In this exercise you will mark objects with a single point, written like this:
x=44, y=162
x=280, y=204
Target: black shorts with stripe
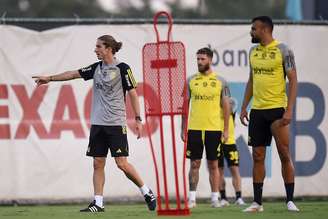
x=198, y=139
x=230, y=153
x=103, y=138
x=259, y=129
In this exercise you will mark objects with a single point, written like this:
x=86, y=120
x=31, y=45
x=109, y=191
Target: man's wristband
x=138, y=118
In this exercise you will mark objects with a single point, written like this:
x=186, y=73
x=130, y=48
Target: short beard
x=203, y=68
x=255, y=40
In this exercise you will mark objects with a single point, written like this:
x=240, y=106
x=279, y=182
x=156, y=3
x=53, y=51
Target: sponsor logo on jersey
x=98, y=86
x=204, y=97
x=263, y=71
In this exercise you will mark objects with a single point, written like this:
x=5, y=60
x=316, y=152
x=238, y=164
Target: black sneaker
x=150, y=200
x=93, y=208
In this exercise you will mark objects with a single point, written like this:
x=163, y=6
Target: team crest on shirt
x=112, y=75
x=105, y=74
x=213, y=84
x=108, y=74
x=272, y=55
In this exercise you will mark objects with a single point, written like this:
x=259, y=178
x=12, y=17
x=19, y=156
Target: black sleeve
x=88, y=72
x=128, y=80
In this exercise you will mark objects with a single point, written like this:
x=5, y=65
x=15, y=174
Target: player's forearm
x=183, y=123
x=184, y=114
x=134, y=102
x=248, y=94
x=226, y=113
x=65, y=76
x=292, y=92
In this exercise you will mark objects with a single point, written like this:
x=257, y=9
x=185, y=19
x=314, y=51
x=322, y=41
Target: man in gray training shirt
x=111, y=80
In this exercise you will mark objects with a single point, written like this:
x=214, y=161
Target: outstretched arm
x=65, y=76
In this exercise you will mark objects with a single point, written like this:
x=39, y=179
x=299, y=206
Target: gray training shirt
x=110, y=83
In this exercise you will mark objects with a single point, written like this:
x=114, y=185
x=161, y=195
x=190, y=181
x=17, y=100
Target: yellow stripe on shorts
x=203, y=136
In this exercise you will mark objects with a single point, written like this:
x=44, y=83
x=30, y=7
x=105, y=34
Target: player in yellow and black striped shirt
x=208, y=94
x=270, y=63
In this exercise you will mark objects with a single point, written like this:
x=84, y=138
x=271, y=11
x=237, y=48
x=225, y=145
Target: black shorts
x=197, y=139
x=104, y=137
x=229, y=152
x=259, y=129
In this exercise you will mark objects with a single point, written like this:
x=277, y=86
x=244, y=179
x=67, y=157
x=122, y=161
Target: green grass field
x=274, y=210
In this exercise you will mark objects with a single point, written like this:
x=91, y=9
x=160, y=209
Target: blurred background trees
x=110, y=10
x=195, y=9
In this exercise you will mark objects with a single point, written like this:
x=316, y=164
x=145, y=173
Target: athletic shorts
x=198, y=139
x=229, y=152
x=103, y=138
x=259, y=129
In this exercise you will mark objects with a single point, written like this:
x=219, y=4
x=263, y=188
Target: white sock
x=99, y=200
x=192, y=196
x=144, y=189
x=214, y=196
